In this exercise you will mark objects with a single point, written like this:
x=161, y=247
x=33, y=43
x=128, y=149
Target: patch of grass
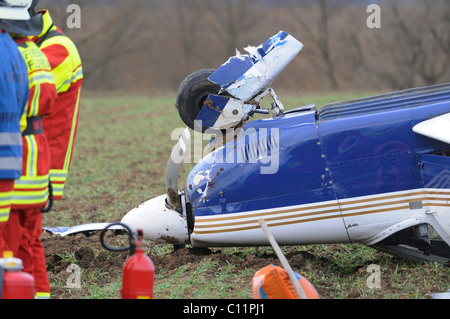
x=205, y=280
x=95, y=290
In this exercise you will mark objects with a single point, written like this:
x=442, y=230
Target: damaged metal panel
x=221, y=112
x=247, y=79
x=245, y=76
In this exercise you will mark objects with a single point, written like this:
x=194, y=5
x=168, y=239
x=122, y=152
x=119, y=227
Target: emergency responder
x=60, y=126
x=31, y=191
x=13, y=98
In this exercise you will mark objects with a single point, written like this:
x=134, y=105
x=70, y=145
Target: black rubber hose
x=50, y=199
x=131, y=239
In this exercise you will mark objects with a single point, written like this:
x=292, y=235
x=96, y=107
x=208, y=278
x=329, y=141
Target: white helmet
x=15, y=9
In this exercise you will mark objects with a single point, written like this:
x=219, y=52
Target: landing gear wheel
x=192, y=93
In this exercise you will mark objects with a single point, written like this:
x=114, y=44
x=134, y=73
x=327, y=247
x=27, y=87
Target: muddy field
x=91, y=256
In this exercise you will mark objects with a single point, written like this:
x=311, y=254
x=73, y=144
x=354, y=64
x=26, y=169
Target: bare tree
x=229, y=20
x=146, y=44
x=319, y=32
x=438, y=44
x=414, y=42
x=193, y=29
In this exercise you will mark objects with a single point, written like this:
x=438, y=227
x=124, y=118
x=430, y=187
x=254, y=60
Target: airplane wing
x=437, y=128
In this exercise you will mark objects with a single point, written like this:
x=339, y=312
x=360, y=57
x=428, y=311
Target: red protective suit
x=24, y=226
x=61, y=126
x=6, y=189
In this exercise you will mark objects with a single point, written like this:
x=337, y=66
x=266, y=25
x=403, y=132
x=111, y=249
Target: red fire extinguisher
x=138, y=274
x=138, y=271
x=14, y=284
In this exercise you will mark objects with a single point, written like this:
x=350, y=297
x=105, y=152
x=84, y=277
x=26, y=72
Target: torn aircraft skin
x=221, y=112
x=247, y=79
x=246, y=76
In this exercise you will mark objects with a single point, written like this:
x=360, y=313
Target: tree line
x=152, y=45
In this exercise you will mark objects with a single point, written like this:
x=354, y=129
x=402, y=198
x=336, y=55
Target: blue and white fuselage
x=374, y=171
x=350, y=172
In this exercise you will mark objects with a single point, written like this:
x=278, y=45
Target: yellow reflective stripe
x=42, y=295
x=58, y=175
x=38, y=78
x=23, y=121
x=5, y=195
x=31, y=160
x=29, y=190
x=58, y=178
x=34, y=107
x=31, y=182
x=77, y=75
x=5, y=202
x=4, y=216
x=29, y=197
x=43, y=76
x=58, y=192
x=72, y=134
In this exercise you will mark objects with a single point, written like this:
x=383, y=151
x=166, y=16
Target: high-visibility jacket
x=61, y=126
x=31, y=190
x=13, y=98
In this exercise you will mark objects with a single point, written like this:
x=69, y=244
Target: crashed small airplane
x=374, y=171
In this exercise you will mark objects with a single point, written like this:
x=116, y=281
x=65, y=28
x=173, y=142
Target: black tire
x=192, y=93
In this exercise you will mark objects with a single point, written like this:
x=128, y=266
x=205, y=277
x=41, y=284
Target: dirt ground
x=91, y=256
